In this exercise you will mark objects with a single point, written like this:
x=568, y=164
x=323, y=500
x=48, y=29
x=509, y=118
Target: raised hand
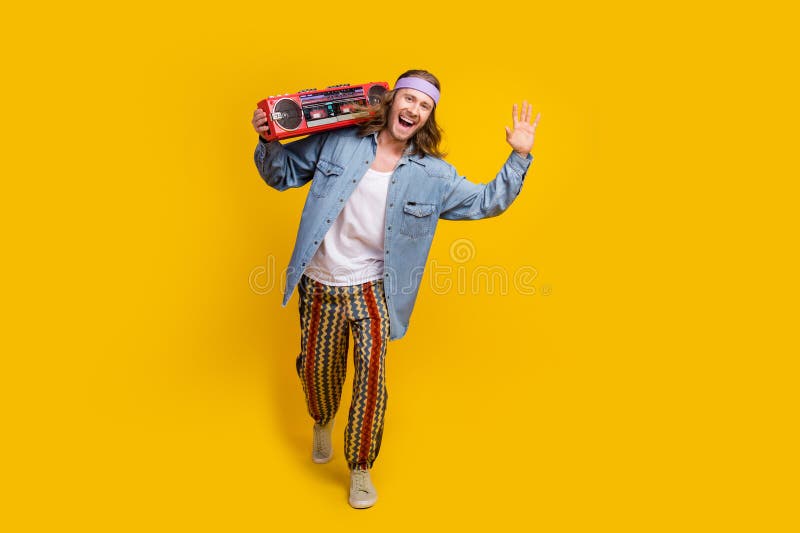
x=522, y=136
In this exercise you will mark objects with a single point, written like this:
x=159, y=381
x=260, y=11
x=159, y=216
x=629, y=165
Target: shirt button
x=354, y=181
x=391, y=205
x=393, y=181
x=328, y=221
x=316, y=242
x=341, y=199
x=389, y=228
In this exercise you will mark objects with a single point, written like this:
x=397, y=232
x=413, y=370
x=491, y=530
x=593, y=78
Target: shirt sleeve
x=283, y=166
x=466, y=200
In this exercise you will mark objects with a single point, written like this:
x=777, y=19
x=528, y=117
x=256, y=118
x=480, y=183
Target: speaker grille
x=375, y=94
x=291, y=116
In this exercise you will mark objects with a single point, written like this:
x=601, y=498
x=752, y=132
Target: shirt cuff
x=520, y=163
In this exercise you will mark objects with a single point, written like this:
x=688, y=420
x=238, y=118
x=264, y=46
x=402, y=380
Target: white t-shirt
x=352, y=251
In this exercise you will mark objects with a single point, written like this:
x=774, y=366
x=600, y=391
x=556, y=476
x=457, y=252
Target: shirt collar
x=407, y=155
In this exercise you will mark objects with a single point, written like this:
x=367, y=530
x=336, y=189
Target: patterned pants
x=326, y=315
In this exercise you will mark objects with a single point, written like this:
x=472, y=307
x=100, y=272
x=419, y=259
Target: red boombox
x=312, y=110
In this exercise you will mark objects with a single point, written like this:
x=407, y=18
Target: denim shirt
x=422, y=190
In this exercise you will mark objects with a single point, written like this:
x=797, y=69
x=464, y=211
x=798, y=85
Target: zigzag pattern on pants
x=327, y=313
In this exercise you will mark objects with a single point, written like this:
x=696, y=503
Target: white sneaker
x=362, y=491
x=322, y=447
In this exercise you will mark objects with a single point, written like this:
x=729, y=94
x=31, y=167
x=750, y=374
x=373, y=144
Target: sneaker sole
x=363, y=504
x=322, y=460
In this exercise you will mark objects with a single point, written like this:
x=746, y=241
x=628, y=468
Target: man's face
x=409, y=112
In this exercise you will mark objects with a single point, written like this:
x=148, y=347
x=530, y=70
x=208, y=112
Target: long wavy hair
x=427, y=139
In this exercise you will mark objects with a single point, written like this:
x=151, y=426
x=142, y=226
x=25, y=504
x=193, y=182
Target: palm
x=522, y=136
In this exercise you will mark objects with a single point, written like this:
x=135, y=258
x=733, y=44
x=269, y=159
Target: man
x=377, y=192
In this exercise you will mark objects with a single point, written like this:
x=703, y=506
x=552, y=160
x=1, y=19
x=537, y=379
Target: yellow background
x=649, y=383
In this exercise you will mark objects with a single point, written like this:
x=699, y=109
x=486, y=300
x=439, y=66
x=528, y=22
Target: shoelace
x=361, y=480
x=321, y=442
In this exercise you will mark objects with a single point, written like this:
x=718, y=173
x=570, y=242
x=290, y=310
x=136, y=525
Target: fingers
x=260, y=121
x=525, y=114
x=522, y=115
x=259, y=116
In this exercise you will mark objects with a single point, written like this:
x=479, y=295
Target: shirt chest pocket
x=324, y=178
x=418, y=219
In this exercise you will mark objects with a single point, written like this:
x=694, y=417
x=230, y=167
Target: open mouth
x=405, y=123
